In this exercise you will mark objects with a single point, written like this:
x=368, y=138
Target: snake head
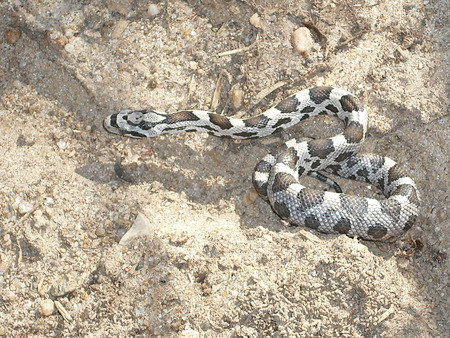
x=135, y=123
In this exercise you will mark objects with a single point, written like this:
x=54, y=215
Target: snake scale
x=276, y=176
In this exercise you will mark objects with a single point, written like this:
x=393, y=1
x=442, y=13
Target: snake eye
x=145, y=125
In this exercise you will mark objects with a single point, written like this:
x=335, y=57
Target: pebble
x=140, y=227
x=193, y=65
x=65, y=285
x=153, y=83
x=153, y=10
x=47, y=307
x=12, y=36
x=301, y=40
x=62, y=41
x=62, y=144
x=237, y=97
x=100, y=232
x=255, y=20
x=3, y=331
x=119, y=28
x=24, y=207
x=75, y=46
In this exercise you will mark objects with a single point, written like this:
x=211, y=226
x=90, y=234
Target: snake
x=277, y=176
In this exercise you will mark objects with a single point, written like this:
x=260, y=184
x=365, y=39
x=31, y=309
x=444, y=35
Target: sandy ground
x=211, y=266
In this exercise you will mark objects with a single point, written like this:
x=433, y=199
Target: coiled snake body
x=276, y=176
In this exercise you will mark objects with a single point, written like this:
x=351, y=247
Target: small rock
x=193, y=65
x=47, y=307
x=153, y=10
x=62, y=41
x=65, y=285
x=255, y=20
x=250, y=197
x=62, y=144
x=16, y=284
x=237, y=97
x=100, y=232
x=3, y=331
x=75, y=46
x=140, y=227
x=12, y=36
x=153, y=83
x=119, y=28
x=302, y=41
x=24, y=207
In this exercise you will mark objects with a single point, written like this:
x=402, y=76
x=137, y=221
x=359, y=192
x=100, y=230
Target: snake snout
x=110, y=124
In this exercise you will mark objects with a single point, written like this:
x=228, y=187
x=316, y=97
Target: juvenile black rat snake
x=276, y=176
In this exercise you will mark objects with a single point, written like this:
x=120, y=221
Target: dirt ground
x=211, y=265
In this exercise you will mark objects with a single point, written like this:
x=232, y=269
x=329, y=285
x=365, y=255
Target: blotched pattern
x=276, y=176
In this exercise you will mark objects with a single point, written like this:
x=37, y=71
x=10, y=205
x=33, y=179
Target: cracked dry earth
x=211, y=263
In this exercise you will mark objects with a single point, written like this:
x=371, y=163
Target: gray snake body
x=276, y=176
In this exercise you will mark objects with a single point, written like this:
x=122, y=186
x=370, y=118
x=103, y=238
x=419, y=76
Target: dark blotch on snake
x=263, y=167
x=315, y=164
x=281, y=210
x=394, y=174
x=247, y=134
x=354, y=132
x=377, y=231
x=282, y=181
x=332, y=108
x=320, y=94
x=259, y=122
x=306, y=110
x=181, y=116
x=343, y=226
x=288, y=105
x=320, y=148
x=392, y=208
x=281, y=122
x=352, y=161
x=334, y=169
x=220, y=121
x=350, y=103
x=288, y=157
x=342, y=157
x=304, y=117
x=310, y=198
x=312, y=222
x=363, y=173
x=411, y=220
x=261, y=190
x=136, y=134
x=300, y=170
x=277, y=130
x=381, y=183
